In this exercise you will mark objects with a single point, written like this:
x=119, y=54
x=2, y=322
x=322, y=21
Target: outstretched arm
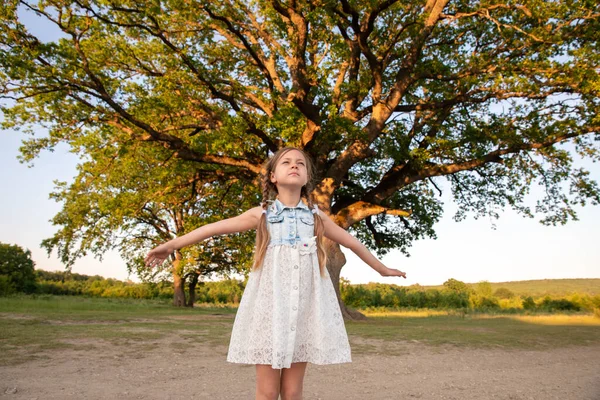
x=243, y=222
x=339, y=235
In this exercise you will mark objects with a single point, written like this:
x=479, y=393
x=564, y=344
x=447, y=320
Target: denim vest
x=288, y=225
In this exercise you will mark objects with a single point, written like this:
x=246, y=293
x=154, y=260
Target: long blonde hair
x=269, y=191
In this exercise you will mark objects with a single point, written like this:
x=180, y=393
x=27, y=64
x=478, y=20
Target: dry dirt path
x=410, y=371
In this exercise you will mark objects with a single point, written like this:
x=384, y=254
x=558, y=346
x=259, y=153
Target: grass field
x=31, y=324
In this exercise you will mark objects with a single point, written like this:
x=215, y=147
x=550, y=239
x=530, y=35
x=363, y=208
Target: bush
x=511, y=305
x=17, y=269
x=489, y=303
x=483, y=289
x=528, y=303
x=457, y=286
x=417, y=299
x=479, y=302
x=549, y=304
x=6, y=286
x=451, y=299
x=585, y=301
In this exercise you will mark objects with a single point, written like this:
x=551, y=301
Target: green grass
x=99, y=308
x=480, y=331
x=32, y=325
x=29, y=325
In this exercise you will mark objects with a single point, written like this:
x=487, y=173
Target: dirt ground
x=408, y=371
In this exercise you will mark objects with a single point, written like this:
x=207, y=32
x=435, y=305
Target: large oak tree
x=391, y=99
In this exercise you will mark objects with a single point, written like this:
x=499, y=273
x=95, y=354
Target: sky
x=470, y=250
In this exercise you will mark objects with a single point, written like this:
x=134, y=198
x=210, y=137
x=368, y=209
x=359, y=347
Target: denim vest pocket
x=275, y=218
x=306, y=225
x=307, y=220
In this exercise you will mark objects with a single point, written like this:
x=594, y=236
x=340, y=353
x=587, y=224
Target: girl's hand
x=393, y=272
x=158, y=255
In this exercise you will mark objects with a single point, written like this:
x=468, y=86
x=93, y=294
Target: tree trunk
x=335, y=261
x=192, y=289
x=178, y=283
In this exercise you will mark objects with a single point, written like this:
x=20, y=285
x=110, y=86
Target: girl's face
x=290, y=170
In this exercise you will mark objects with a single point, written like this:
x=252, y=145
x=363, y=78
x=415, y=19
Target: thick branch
x=360, y=210
x=400, y=177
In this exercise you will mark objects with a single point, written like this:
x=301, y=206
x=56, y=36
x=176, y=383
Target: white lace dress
x=288, y=313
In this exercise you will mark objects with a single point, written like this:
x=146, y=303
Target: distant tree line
x=459, y=295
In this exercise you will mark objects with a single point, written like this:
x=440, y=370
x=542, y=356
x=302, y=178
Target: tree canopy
x=17, y=270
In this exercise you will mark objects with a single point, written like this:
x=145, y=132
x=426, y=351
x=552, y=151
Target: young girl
x=289, y=314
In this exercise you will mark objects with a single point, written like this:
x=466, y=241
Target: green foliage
x=6, y=286
x=461, y=296
x=484, y=289
x=479, y=302
x=16, y=270
x=481, y=297
x=549, y=304
x=384, y=295
x=514, y=303
x=61, y=276
x=66, y=283
x=528, y=303
x=221, y=292
x=457, y=286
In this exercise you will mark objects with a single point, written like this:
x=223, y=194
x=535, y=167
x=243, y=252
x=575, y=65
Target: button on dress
x=289, y=313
